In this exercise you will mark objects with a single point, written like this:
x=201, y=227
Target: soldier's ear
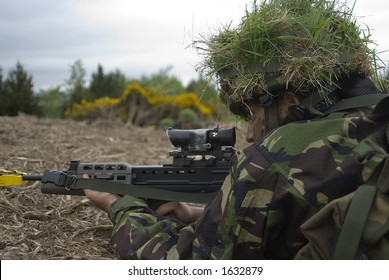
x=291, y=99
x=288, y=100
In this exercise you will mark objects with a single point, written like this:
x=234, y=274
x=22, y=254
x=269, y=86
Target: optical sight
x=201, y=140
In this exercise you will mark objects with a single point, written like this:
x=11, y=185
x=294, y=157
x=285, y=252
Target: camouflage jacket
x=274, y=186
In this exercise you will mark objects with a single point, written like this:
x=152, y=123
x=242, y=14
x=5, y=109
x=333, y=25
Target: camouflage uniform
x=275, y=185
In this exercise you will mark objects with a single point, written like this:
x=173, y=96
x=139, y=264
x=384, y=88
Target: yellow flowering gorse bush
x=92, y=109
x=147, y=106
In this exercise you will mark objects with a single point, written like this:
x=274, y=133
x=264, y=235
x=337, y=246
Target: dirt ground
x=56, y=227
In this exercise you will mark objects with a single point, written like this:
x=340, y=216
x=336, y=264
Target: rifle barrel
x=32, y=177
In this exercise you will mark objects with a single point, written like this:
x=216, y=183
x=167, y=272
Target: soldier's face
x=255, y=122
x=255, y=114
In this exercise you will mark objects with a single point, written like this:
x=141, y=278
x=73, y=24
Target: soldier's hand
x=101, y=200
x=182, y=211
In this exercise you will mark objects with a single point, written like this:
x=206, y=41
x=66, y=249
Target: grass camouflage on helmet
x=301, y=45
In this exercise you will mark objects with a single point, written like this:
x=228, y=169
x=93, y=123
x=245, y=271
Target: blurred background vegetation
x=159, y=99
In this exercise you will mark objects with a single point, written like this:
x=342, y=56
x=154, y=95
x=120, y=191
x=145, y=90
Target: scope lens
x=224, y=136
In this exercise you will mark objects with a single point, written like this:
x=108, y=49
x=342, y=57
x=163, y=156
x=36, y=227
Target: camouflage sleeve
x=274, y=187
x=139, y=233
x=231, y=227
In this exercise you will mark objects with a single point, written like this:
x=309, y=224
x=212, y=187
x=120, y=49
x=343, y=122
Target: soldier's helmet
x=304, y=46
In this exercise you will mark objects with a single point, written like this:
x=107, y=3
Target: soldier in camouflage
x=315, y=153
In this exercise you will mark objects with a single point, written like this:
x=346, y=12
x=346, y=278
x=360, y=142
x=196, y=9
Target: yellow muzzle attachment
x=11, y=178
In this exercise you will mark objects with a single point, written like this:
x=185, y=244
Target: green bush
x=188, y=118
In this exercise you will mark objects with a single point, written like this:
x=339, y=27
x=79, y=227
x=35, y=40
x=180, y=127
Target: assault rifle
x=200, y=164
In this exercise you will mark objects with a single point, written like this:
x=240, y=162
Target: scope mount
x=201, y=147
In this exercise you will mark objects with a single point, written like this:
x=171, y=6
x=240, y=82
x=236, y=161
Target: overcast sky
x=135, y=36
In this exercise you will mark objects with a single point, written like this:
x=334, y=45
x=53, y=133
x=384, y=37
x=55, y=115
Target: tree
x=107, y=85
x=75, y=85
x=18, y=92
x=1, y=79
x=163, y=82
x=97, y=85
x=116, y=82
x=204, y=89
x=3, y=98
x=208, y=94
x=52, y=102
